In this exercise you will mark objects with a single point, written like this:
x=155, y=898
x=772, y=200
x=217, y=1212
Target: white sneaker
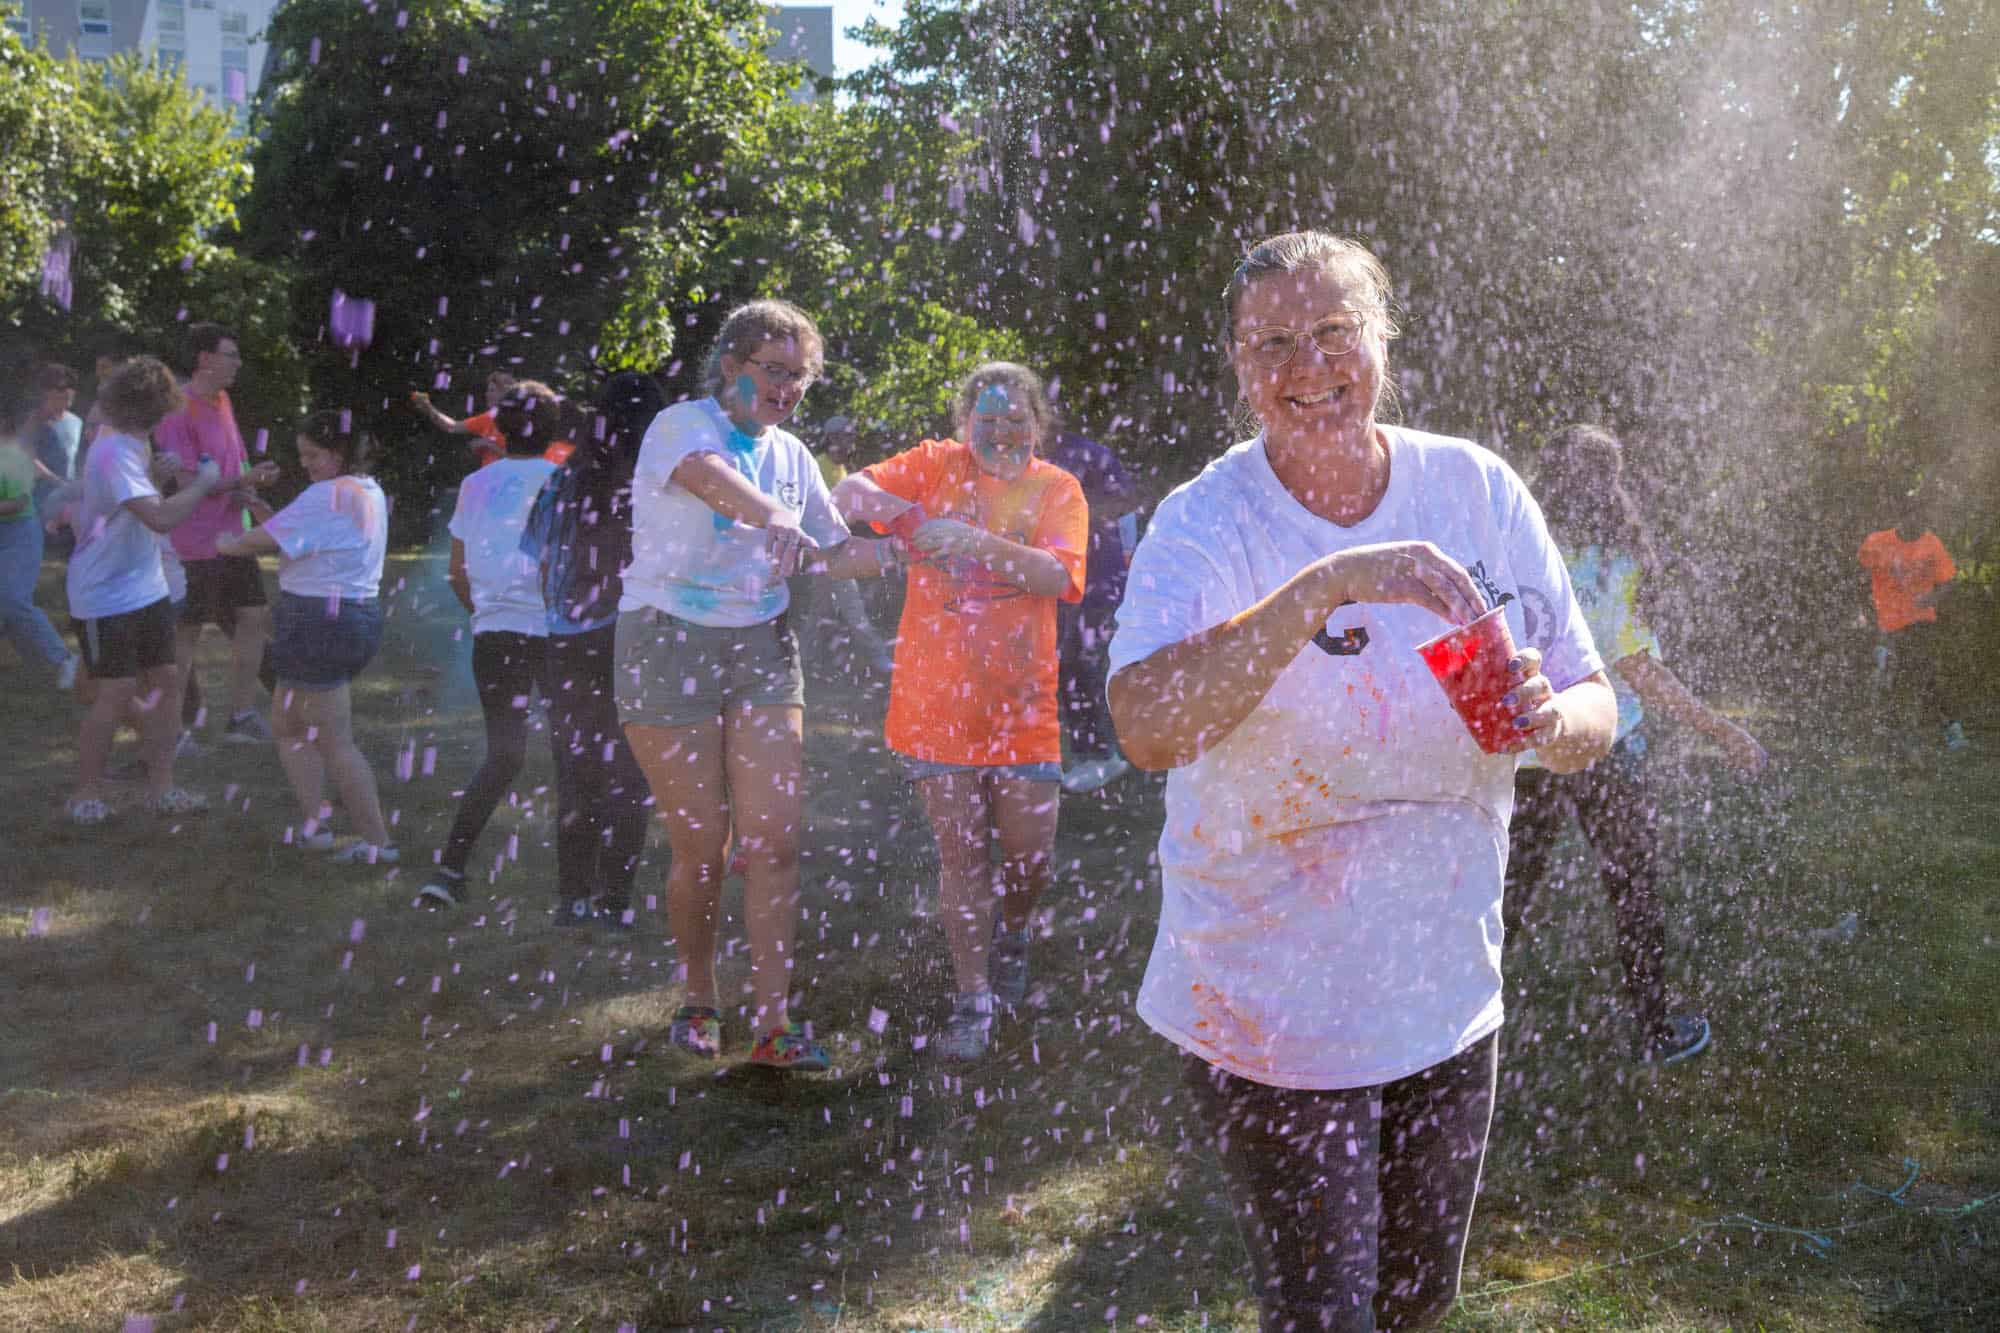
x=1093, y=774
x=366, y=853
x=66, y=673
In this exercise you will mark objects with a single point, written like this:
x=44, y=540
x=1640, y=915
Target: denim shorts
x=670, y=672
x=321, y=643
x=919, y=769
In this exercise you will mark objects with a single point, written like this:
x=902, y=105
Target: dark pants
x=601, y=794
x=1615, y=810
x=1354, y=1203
x=1085, y=663
x=507, y=668
x=1913, y=662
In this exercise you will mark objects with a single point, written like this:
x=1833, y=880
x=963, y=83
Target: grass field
x=242, y=1089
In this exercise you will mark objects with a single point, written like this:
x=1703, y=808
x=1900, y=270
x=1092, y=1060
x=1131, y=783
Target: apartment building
x=218, y=44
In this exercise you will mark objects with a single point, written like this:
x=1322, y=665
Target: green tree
x=39, y=131
x=526, y=184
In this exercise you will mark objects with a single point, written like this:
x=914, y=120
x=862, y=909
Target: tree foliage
x=525, y=185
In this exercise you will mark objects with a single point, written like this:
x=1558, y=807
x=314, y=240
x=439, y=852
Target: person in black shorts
x=118, y=590
x=224, y=591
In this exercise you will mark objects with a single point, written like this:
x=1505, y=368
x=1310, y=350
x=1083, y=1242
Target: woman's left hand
x=1532, y=698
x=948, y=537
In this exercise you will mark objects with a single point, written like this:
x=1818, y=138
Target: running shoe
x=1007, y=966
x=788, y=1047
x=697, y=1030
x=367, y=853
x=247, y=729
x=187, y=747
x=1684, y=1037
x=177, y=801
x=320, y=840
x=87, y=812
x=442, y=890
x=970, y=1027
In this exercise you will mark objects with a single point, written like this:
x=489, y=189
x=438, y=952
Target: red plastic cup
x=1470, y=663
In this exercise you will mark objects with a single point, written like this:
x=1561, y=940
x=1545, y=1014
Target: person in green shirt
x=26, y=626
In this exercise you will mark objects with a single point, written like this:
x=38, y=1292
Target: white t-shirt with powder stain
x=690, y=561
x=1331, y=869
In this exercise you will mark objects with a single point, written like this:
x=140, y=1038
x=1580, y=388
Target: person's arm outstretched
x=1034, y=571
x=165, y=513
x=1662, y=692
x=426, y=409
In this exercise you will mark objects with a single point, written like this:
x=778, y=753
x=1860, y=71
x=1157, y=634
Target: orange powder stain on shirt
x=1215, y=1004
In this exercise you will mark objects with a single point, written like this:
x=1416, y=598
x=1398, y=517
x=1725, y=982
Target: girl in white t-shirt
x=1329, y=943
x=326, y=626
x=725, y=506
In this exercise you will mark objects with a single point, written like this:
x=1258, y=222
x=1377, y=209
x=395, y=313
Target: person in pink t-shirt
x=225, y=591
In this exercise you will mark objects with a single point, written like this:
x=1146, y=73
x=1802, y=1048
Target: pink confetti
x=357, y=930
x=38, y=922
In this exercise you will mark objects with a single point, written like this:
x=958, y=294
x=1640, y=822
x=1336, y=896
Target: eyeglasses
x=784, y=374
x=1274, y=344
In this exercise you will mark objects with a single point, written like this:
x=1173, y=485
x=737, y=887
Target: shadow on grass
x=493, y=1089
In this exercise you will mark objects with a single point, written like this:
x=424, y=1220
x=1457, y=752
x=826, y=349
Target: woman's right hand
x=786, y=543
x=1413, y=573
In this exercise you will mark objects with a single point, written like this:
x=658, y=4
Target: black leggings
x=507, y=668
x=601, y=794
x=1354, y=1203
x=1085, y=662
x=1616, y=812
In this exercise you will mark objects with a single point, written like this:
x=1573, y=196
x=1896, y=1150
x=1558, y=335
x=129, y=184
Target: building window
x=93, y=22
x=172, y=42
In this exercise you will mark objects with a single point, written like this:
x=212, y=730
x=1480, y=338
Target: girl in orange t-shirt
x=999, y=538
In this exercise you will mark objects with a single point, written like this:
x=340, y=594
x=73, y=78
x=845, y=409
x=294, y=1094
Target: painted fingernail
x=1524, y=722
x=1510, y=700
x=1516, y=663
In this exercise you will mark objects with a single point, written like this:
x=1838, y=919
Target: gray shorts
x=670, y=672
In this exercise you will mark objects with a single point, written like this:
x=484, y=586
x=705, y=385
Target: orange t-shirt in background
x=488, y=445
x=1899, y=572
x=975, y=679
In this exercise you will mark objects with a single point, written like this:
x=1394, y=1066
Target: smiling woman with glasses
x=1328, y=953
x=1273, y=345
x=726, y=505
